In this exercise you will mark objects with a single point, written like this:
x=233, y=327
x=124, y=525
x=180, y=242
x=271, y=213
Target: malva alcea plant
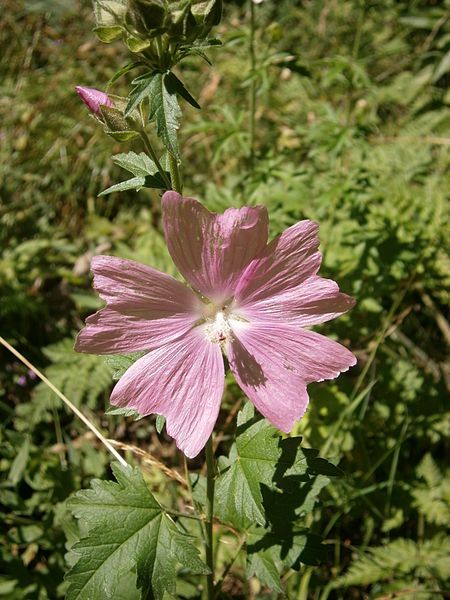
x=247, y=303
x=247, y=299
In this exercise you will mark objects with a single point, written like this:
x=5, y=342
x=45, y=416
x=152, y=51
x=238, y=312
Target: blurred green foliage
x=353, y=130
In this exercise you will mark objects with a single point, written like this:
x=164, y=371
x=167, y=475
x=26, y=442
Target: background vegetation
x=353, y=130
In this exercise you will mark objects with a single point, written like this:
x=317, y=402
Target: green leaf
x=163, y=106
x=20, y=462
x=175, y=85
x=266, y=476
x=127, y=530
x=143, y=167
x=119, y=363
x=124, y=412
x=160, y=422
x=81, y=377
x=138, y=164
x=128, y=67
x=269, y=554
x=136, y=183
x=165, y=111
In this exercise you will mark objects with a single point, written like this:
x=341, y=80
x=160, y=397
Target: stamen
x=218, y=329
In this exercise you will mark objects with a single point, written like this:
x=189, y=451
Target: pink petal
x=212, y=250
x=313, y=301
x=93, y=98
x=145, y=308
x=183, y=381
x=110, y=332
x=285, y=263
x=274, y=363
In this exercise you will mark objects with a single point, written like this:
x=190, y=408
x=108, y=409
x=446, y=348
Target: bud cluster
x=157, y=29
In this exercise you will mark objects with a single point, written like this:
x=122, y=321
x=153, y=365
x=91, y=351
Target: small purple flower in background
x=249, y=298
x=93, y=98
x=22, y=381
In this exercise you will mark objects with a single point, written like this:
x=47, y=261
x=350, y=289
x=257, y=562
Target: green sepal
x=108, y=34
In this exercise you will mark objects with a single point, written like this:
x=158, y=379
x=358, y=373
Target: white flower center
x=218, y=329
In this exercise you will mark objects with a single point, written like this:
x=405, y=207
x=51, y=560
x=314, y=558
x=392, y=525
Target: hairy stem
x=252, y=107
x=210, y=483
x=152, y=153
x=175, y=174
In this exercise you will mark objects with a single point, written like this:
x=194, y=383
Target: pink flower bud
x=93, y=98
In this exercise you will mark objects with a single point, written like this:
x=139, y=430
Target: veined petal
x=183, y=381
x=285, y=263
x=110, y=332
x=145, y=308
x=210, y=250
x=314, y=301
x=274, y=363
x=133, y=288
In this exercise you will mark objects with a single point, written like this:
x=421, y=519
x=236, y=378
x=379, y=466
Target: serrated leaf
x=163, y=106
x=138, y=164
x=136, y=183
x=127, y=530
x=165, y=112
x=143, y=167
x=264, y=472
x=176, y=86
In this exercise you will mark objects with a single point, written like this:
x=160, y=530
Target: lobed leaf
x=127, y=530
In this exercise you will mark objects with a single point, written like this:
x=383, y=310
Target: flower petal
x=211, y=250
x=285, y=263
x=274, y=363
x=145, y=308
x=110, y=332
x=314, y=301
x=183, y=381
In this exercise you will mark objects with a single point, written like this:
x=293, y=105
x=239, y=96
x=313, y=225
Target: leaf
x=160, y=422
x=269, y=555
x=143, y=167
x=265, y=472
x=119, y=363
x=138, y=164
x=127, y=530
x=20, y=462
x=81, y=377
x=175, y=85
x=163, y=106
x=164, y=110
x=136, y=183
x=443, y=68
x=128, y=67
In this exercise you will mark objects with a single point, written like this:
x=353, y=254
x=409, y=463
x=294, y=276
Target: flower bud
x=93, y=98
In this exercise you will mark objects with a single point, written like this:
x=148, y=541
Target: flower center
x=217, y=328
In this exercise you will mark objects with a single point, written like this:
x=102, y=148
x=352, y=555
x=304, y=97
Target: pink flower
x=247, y=298
x=93, y=98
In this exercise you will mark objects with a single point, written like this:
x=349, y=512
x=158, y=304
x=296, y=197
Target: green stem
x=150, y=150
x=175, y=174
x=210, y=483
x=252, y=107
